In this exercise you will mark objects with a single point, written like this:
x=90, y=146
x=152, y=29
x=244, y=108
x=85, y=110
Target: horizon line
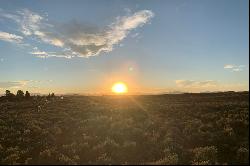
x=133, y=94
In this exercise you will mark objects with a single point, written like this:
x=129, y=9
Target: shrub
x=205, y=155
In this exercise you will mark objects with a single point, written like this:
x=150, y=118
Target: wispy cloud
x=195, y=84
x=22, y=83
x=228, y=66
x=76, y=39
x=13, y=84
x=234, y=68
x=208, y=85
x=31, y=24
x=10, y=37
x=92, y=44
x=43, y=54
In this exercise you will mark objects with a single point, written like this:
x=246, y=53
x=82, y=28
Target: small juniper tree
x=20, y=94
x=8, y=94
x=27, y=94
x=52, y=95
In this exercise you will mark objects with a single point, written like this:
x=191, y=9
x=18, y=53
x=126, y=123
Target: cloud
x=208, y=86
x=43, y=54
x=10, y=37
x=195, y=84
x=237, y=69
x=77, y=39
x=234, y=68
x=40, y=81
x=13, y=84
x=135, y=35
x=39, y=53
x=29, y=22
x=229, y=66
x=86, y=43
x=22, y=83
x=32, y=24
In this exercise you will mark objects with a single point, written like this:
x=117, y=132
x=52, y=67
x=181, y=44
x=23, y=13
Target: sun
x=119, y=88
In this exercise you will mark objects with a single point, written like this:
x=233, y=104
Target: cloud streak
x=75, y=39
x=234, y=68
x=10, y=37
x=13, y=84
x=195, y=84
x=31, y=24
x=208, y=86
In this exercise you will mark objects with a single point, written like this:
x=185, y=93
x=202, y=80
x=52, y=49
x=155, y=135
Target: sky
x=153, y=46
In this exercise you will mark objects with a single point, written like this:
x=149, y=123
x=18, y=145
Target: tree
x=48, y=97
x=8, y=94
x=19, y=94
x=52, y=95
x=27, y=94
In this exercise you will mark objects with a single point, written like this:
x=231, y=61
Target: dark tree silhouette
x=19, y=94
x=27, y=94
x=52, y=95
x=8, y=94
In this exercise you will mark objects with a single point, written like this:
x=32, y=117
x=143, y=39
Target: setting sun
x=119, y=88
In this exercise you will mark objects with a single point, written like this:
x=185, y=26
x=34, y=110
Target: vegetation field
x=210, y=128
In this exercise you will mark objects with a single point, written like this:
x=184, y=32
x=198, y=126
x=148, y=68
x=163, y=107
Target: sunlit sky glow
x=153, y=46
x=119, y=88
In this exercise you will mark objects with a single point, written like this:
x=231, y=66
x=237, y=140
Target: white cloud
x=56, y=42
x=29, y=22
x=10, y=37
x=91, y=44
x=234, y=68
x=33, y=24
x=75, y=38
x=229, y=66
x=43, y=54
x=39, y=53
x=237, y=69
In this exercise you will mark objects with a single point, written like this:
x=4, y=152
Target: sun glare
x=119, y=88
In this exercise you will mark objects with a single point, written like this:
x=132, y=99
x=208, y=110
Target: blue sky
x=151, y=45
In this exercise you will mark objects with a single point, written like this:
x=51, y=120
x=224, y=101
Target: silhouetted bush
x=52, y=95
x=204, y=155
x=27, y=95
x=19, y=94
x=8, y=94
